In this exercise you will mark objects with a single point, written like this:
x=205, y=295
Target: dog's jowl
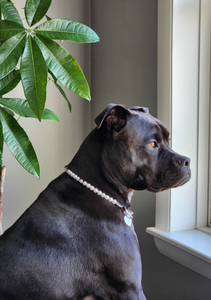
x=77, y=240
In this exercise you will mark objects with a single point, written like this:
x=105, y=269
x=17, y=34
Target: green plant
x=39, y=57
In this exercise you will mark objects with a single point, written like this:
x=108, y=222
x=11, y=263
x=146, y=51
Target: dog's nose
x=182, y=161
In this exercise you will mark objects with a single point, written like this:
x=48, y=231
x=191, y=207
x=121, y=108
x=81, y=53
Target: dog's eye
x=152, y=144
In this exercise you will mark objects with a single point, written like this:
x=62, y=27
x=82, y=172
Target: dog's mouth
x=184, y=180
x=178, y=183
x=155, y=190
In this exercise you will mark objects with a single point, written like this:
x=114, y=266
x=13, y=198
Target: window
x=182, y=229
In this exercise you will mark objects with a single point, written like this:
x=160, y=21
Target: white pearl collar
x=128, y=214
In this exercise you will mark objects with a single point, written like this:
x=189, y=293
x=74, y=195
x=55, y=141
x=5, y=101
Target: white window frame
x=181, y=231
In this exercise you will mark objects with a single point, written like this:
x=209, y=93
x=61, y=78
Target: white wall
x=54, y=143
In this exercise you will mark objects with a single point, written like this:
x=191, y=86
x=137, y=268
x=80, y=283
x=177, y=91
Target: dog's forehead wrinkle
x=157, y=132
x=139, y=123
x=148, y=122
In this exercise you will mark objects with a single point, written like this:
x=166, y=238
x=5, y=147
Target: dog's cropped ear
x=140, y=108
x=115, y=117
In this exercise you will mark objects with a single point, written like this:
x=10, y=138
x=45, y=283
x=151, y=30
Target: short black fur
x=71, y=243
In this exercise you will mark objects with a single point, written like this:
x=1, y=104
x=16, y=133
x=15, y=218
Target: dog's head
x=136, y=150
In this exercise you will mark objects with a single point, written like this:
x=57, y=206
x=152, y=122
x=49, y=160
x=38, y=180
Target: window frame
x=184, y=107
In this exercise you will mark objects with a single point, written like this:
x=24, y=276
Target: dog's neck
x=87, y=164
x=128, y=213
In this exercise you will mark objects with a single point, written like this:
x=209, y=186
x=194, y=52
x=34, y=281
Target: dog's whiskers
x=134, y=181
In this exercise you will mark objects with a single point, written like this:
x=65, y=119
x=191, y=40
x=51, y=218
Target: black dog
x=76, y=241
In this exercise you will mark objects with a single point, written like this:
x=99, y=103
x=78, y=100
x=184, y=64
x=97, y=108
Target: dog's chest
x=114, y=248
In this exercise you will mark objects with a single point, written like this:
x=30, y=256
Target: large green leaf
x=35, y=10
x=22, y=108
x=64, y=67
x=10, y=12
x=19, y=143
x=62, y=29
x=63, y=94
x=49, y=115
x=9, y=29
x=9, y=82
x=10, y=52
x=9, y=111
x=60, y=90
x=1, y=142
x=34, y=77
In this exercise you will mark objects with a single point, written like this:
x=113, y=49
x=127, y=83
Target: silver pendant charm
x=128, y=220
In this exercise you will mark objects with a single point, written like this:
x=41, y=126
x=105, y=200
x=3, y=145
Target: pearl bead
x=129, y=214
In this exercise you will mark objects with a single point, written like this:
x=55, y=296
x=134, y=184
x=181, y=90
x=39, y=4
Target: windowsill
x=191, y=248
